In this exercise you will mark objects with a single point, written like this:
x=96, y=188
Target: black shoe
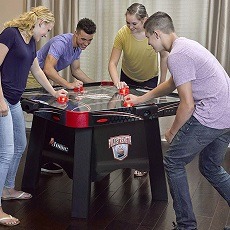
x=138, y=173
x=227, y=228
x=174, y=226
x=52, y=168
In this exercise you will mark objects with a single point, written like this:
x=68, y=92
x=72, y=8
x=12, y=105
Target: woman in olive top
x=140, y=65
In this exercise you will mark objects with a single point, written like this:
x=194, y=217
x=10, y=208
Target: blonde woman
x=17, y=58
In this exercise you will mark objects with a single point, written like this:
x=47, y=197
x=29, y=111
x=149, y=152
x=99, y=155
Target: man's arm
x=163, y=66
x=52, y=74
x=78, y=73
x=184, y=111
x=163, y=89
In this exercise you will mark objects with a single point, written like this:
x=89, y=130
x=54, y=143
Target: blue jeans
x=12, y=145
x=211, y=145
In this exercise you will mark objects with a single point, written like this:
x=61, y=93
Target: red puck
x=62, y=99
x=79, y=89
x=128, y=104
x=124, y=91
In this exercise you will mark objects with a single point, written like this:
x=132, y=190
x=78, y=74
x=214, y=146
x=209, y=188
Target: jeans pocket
x=185, y=129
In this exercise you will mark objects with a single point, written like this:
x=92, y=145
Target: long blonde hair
x=26, y=21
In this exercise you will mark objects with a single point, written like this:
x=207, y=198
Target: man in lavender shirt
x=64, y=50
x=202, y=121
x=60, y=52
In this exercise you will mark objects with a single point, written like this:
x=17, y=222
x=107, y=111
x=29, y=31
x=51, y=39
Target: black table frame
x=81, y=191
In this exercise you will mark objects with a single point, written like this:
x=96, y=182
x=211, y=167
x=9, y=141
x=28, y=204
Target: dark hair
x=159, y=21
x=86, y=25
x=137, y=9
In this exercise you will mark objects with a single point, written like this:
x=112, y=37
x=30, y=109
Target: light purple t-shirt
x=61, y=48
x=190, y=61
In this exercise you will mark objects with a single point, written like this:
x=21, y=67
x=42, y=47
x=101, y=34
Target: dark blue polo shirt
x=16, y=65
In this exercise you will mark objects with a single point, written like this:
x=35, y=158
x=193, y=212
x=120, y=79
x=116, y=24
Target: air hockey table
x=92, y=134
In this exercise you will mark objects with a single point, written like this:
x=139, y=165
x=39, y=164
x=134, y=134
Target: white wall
x=10, y=9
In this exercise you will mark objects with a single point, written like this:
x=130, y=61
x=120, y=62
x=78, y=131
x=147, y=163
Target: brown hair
x=159, y=21
x=137, y=9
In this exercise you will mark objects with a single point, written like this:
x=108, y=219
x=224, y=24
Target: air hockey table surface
x=99, y=103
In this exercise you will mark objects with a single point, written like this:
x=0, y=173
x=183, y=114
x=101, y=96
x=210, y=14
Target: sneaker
x=138, y=173
x=52, y=168
x=174, y=226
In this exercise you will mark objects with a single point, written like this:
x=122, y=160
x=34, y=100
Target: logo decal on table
x=120, y=145
x=58, y=146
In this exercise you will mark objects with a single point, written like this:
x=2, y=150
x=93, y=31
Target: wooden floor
x=118, y=202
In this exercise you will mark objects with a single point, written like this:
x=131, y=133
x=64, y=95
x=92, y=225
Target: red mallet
x=127, y=103
x=62, y=99
x=79, y=89
x=124, y=91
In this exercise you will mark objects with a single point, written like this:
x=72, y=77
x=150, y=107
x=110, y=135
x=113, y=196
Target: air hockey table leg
x=34, y=155
x=156, y=166
x=82, y=173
